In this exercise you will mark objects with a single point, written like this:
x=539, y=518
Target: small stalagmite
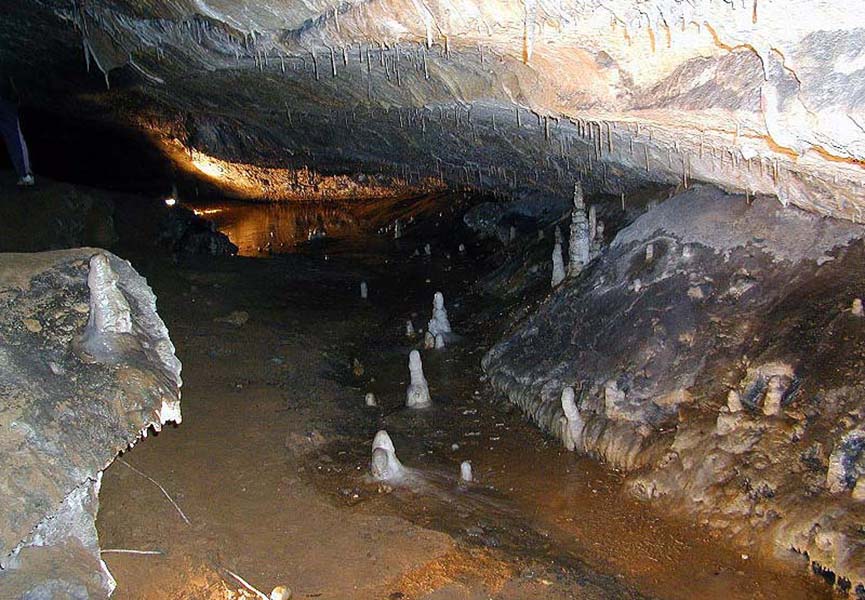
x=385, y=466
x=417, y=395
x=369, y=399
x=427, y=249
x=857, y=309
x=558, y=265
x=572, y=426
x=364, y=291
x=466, y=471
x=439, y=342
x=439, y=323
x=409, y=328
x=579, y=245
x=429, y=341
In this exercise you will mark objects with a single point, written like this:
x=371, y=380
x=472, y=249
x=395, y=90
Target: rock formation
x=766, y=445
x=439, y=323
x=580, y=242
x=124, y=371
x=385, y=466
x=417, y=394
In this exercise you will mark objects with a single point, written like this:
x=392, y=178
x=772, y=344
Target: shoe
x=27, y=181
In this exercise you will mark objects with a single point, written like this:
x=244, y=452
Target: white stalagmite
x=439, y=323
x=109, y=310
x=856, y=309
x=363, y=290
x=409, y=329
x=466, y=471
x=439, y=342
x=369, y=399
x=572, y=425
x=462, y=249
x=579, y=244
x=417, y=395
x=385, y=465
x=558, y=264
x=429, y=341
x=650, y=252
x=427, y=249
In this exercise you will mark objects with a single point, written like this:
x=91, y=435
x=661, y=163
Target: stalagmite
x=558, y=262
x=734, y=401
x=650, y=252
x=462, y=249
x=439, y=323
x=439, y=342
x=774, y=395
x=417, y=395
x=579, y=243
x=110, y=320
x=856, y=309
x=385, y=465
x=109, y=310
x=466, y=471
x=429, y=341
x=363, y=290
x=369, y=399
x=427, y=250
x=572, y=426
x=409, y=329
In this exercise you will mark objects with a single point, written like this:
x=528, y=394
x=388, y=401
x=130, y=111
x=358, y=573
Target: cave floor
x=269, y=463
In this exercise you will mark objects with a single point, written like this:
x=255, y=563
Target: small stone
x=369, y=399
x=650, y=252
x=236, y=318
x=32, y=325
x=281, y=592
x=856, y=309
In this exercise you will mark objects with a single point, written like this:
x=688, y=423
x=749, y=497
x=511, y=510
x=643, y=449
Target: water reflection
x=259, y=229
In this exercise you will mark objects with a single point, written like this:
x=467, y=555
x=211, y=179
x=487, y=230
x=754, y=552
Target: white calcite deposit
x=439, y=323
x=417, y=394
x=385, y=466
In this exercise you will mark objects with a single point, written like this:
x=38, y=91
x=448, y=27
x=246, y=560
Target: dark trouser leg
x=10, y=130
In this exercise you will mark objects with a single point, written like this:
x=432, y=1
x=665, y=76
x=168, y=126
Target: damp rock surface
x=726, y=382
x=84, y=385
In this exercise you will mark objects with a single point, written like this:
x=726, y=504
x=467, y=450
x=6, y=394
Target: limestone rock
x=53, y=454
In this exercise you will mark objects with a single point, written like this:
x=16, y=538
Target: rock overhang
x=759, y=97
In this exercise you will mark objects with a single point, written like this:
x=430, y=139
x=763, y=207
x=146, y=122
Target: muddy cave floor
x=269, y=463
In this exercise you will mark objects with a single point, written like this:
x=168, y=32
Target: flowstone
x=100, y=344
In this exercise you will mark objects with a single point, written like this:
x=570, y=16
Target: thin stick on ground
x=246, y=584
x=156, y=483
x=127, y=551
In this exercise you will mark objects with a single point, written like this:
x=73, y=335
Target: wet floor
x=279, y=403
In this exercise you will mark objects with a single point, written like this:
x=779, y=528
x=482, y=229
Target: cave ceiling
x=760, y=96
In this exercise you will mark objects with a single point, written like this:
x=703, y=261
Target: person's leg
x=10, y=131
x=25, y=153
